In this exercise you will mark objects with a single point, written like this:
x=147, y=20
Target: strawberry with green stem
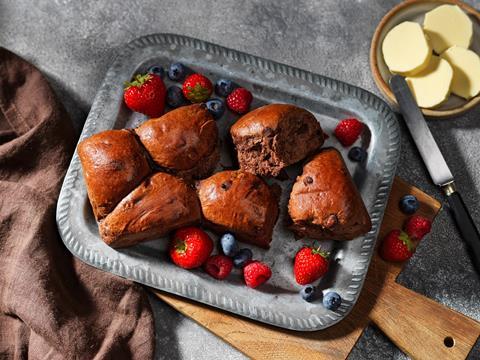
x=145, y=94
x=190, y=247
x=397, y=246
x=310, y=264
x=197, y=88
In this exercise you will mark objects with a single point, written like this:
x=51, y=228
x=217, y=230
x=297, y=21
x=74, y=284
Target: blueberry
x=229, y=244
x=176, y=72
x=216, y=107
x=223, y=87
x=308, y=293
x=332, y=300
x=157, y=70
x=357, y=154
x=242, y=257
x=409, y=204
x=175, y=97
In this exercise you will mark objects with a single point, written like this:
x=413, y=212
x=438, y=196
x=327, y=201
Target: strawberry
x=218, y=266
x=146, y=95
x=417, y=227
x=190, y=247
x=239, y=100
x=197, y=88
x=348, y=131
x=256, y=273
x=396, y=246
x=310, y=264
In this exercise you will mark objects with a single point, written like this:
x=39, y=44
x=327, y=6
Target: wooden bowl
x=414, y=10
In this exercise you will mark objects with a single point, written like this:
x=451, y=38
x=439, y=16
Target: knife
x=436, y=166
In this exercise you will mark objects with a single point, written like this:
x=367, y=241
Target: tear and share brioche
x=274, y=136
x=113, y=163
x=239, y=202
x=160, y=204
x=184, y=141
x=325, y=203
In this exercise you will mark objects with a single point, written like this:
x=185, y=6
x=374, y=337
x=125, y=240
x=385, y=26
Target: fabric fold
x=52, y=305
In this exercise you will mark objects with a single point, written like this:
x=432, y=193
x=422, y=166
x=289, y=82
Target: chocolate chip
x=116, y=165
x=226, y=185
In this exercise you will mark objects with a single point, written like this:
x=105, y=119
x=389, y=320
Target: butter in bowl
x=435, y=46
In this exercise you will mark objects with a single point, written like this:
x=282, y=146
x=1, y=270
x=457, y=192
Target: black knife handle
x=466, y=226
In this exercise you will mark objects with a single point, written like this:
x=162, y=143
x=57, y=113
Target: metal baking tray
x=276, y=302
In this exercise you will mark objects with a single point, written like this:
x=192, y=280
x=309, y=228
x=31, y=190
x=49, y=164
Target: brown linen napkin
x=52, y=306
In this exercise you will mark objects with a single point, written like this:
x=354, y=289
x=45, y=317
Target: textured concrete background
x=74, y=42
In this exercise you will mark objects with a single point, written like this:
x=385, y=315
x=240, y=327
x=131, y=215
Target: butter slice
x=405, y=49
x=431, y=87
x=447, y=26
x=466, y=71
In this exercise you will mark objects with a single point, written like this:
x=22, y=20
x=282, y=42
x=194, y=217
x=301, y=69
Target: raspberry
x=218, y=266
x=239, y=100
x=256, y=273
x=417, y=227
x=348, y=131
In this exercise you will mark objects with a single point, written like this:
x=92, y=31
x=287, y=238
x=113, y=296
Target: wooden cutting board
x=419, y=326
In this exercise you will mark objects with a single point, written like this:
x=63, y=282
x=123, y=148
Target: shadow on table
x=75, y=107
x=166, y=323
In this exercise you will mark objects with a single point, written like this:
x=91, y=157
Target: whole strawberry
x=310, y=264
x=239, y=100
x=197, y=88
x=146, y=95
x=190, y=247
x=348, y=131
x=218, y=266
x=256, y=273
x=396, y=246
x=417, y=227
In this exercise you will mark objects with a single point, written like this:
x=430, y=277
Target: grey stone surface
x=74, y=42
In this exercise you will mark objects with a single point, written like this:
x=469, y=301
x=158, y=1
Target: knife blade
x=426, y=144
x=436, y=165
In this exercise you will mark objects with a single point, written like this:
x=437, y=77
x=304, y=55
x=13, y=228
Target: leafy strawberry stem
x=180, y=246
x=319, y=251
x=406, y=240
x=137, y=81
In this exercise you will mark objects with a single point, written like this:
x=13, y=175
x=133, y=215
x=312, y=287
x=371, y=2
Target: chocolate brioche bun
x=183, y=142
x=113, y=163
x=274, y=136
x=239, y=202
x=325, y=203
x=160, y=204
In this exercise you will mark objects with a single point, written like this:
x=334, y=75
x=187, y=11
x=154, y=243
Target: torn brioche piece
x=274, y=136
